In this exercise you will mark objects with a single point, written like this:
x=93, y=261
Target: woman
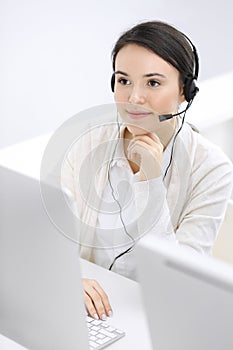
x=180, y=182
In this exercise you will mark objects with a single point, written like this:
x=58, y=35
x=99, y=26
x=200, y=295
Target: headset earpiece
x=190, y=89
x=190, y=84
x=113, y=82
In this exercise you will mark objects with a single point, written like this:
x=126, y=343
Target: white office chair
x=223, y=248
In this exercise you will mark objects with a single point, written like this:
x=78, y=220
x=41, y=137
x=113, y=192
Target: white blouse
x=112, y=235
x=187, y=207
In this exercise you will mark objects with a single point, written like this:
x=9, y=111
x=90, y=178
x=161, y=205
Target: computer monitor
x=41, y=300
x=188, y=297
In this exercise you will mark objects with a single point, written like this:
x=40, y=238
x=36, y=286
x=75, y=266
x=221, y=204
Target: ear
x=182, y=96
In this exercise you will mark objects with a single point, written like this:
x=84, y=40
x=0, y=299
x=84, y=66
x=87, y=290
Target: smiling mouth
x=137, y=114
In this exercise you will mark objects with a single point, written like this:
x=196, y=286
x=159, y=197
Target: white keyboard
x=101, y=334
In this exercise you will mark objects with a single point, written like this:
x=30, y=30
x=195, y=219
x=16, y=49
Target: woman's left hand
x=147, y=152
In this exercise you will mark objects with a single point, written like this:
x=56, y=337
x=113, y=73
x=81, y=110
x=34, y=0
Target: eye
x=123, y=81
x=153, y=83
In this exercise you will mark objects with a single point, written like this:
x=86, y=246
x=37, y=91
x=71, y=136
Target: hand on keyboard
x=96, y=300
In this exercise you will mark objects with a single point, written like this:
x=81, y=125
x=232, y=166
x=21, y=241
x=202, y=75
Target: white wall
x=212, y=111
x=55, y=54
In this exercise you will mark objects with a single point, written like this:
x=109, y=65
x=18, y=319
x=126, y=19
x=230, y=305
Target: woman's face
x=146, y=86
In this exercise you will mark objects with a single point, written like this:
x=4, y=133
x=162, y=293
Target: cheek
x=165, y=102
x=120, y=96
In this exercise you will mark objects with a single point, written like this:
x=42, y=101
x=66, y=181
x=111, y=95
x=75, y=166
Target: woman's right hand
x=96, y=300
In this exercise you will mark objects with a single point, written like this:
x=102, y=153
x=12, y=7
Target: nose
x=137, y=96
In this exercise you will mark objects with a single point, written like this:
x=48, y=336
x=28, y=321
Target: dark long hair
x=165, y=41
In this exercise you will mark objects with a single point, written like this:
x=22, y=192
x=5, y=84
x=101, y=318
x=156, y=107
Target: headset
x=190, y=85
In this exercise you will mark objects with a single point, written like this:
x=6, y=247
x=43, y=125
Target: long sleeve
x=197, y=201
x=205, y=208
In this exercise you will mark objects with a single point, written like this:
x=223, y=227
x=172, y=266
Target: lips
x=137, y=114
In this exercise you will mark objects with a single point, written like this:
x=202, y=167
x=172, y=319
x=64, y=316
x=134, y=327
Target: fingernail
x=104, y=317
x=110, y=313
x=96, y=316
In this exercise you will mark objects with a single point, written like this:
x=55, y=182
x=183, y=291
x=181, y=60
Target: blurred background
x=55, y=60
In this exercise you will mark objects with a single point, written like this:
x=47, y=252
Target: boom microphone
x=164, y=117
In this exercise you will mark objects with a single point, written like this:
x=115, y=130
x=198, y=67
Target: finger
x=90, y=306
x=144, y=151
x=141, y=142
x=151, y=146
x=133, y=143
x=134, y=152
x=138, y=146
x=148, y=138
x=104, y=298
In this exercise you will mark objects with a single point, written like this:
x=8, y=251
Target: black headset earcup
x=190, y=89
x=113, y=82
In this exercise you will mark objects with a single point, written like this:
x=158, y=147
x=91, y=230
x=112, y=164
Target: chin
x=136, y=131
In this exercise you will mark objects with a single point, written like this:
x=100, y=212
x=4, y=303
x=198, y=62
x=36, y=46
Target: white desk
x=126, y=301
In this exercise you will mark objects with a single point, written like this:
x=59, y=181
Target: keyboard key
x=108, y=334
x=105, y=325
x=93, y=337
x=101, y=334
x=103, y=341
x=96, y=322
x=93, y=345
x=93, y=332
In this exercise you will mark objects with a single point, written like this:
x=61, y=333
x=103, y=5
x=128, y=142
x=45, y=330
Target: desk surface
x=126, y=301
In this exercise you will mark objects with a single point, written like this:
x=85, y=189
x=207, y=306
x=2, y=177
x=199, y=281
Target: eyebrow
x=145, y=75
